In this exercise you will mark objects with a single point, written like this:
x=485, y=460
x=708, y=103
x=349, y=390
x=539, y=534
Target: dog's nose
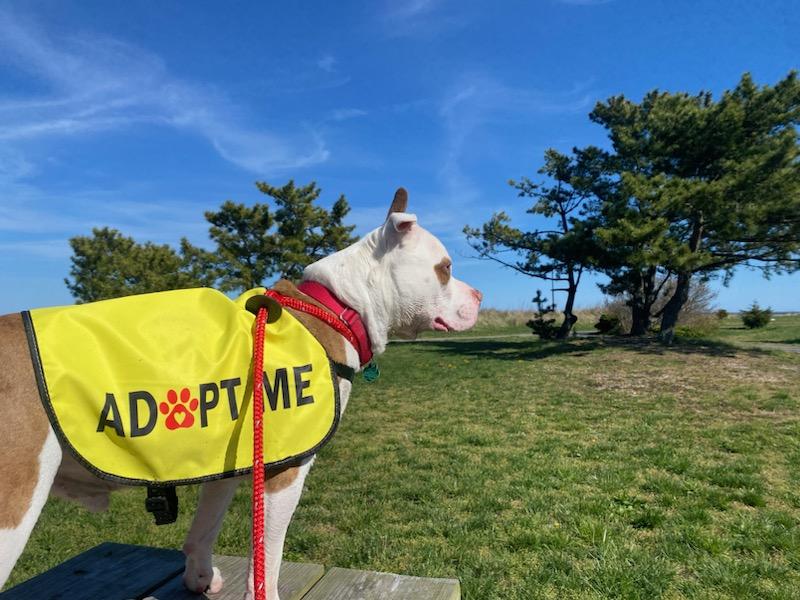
x=477, y=295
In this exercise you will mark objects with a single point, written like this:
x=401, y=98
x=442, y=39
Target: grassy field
x=586, y=469
x=784, y=329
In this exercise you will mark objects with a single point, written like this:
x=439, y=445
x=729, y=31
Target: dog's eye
x=443, y=270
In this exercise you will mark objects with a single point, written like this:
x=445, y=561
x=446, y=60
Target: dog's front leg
x=280, y=499
x=215, y=496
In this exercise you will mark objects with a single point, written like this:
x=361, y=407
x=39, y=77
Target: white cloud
x=37, y=223
x=345, y=114
x=48, y=248
x=96, y=84
x=478, y=99
x=327, y=63
x=420, y=18
x=409, y=9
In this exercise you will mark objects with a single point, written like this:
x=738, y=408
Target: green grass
x=784, y=329
x=588, y=469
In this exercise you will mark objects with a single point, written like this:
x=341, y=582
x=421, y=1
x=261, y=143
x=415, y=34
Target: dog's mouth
x=439, y=324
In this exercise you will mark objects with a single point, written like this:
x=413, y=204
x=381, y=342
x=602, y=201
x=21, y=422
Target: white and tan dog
x=398, y=278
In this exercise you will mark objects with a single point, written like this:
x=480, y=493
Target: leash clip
x=162, y=501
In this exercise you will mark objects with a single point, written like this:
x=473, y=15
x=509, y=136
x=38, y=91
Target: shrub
x=546, y=329
x=608, y=324
x=722, y=314
x=756, y=317
x=699, y=304
x=618, y=309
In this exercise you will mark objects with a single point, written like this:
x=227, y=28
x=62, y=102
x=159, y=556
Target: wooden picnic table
x=113, y=571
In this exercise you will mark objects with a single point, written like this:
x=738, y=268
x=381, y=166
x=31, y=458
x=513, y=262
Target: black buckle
x=258, y=301
x=163, y=503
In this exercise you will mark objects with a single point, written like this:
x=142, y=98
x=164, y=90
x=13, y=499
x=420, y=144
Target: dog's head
x=420, y=271
x=399, y=278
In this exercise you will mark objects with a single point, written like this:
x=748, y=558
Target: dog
x=397, y=279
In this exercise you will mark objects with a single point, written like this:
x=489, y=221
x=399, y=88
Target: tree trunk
x=669, y=318
x=642, y=303
x=640, y=318
x=569, y=318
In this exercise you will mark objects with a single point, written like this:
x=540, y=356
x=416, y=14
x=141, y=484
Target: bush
x=756, y=317
x=722, y=314
x=698, y=306
x=546, y=329
x=616, y=308
x=608, y=324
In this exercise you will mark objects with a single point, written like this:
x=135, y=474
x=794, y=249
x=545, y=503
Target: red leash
x=258, y=457
x=344, y=322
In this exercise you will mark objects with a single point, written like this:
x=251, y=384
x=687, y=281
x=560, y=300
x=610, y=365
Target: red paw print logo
x=179, y=415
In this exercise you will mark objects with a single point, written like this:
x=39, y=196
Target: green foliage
x=246, y=251
x=756, y=317
x=718, y=180
x=691, y=188
x=608, y=324
x=252, y=244
x=561, y=254
x=541, y=326
x=722, y=314
x=305, y=232
x=696, y=186
x=108, y=264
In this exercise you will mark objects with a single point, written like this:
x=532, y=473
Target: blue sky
x=143, y=117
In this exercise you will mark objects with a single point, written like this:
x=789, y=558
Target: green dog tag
x=371, y=372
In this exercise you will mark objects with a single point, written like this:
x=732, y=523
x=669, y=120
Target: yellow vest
x=157, y=388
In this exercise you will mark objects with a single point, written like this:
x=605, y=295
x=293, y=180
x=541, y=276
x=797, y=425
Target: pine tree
x=701, y=186
x=305, y=232
x=108, y=264
x=561, y=254
x=251, y=245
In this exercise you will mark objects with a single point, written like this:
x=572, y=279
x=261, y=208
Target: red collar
x=347, y=321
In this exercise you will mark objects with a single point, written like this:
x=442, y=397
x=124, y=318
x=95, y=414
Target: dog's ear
x=400, y=202
x=402, y=222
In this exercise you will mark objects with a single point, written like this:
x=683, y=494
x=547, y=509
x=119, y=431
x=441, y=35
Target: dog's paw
x=217, y=581
x=200, y=581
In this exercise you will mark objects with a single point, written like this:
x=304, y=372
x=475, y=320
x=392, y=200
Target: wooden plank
x=294, y=580
x=109, y=571
x=350, y=584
